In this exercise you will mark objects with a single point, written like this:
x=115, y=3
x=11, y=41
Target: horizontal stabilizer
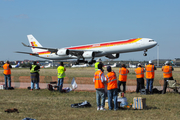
x=26, y=53
x=49, y=49
x=25, y=45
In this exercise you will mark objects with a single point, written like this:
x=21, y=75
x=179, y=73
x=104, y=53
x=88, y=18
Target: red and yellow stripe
x=106, y=44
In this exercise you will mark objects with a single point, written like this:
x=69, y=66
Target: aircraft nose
x=155, y=43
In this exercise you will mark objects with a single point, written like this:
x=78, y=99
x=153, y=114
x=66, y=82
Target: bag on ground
x=81, y=105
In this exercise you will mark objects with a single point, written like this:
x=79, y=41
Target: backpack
x=49, y=87
x=81, y=105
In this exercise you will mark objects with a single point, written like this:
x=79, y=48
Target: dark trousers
x=165, y=84
x=112, y=94
x=7, y=77
x=149, y=85
x=60, y=84
x=140, y=84
x=119, y=86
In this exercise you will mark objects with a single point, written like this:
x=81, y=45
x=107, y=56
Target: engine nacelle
x=88, y=54
x=63, y=52
x=113, y=56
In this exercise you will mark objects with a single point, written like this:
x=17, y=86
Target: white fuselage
x=141, y=45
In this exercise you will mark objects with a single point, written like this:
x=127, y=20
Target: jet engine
x=88, y=54
x=62, y=52
x=113, y=56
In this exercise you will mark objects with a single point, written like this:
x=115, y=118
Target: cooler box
x=122, y=102
x=139, y=103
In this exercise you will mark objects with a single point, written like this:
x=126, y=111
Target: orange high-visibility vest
x=111, y=80
x=123, y=74
x=7, y=70
x=97, y=80
x=139, y=72
x=149, y=71
x=167, y=71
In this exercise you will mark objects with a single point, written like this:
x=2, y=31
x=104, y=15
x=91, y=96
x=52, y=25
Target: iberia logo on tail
x=34, y=44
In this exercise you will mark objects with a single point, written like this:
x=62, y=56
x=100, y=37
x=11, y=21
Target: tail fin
x=34, y=42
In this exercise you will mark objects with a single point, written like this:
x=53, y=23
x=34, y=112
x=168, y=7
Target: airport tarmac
x=81, y=87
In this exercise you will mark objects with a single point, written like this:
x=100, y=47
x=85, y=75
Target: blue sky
x=64, y=23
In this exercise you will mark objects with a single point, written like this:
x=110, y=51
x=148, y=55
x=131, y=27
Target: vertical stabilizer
x=34, y=42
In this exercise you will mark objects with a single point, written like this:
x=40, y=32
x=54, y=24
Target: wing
x=79, y=53
x=73, y=52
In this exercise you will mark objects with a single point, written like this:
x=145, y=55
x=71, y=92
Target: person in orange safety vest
x=123, y=71
x=99, y=82
x=140, y=77
x=7, y=74
x=167, y=75
x=150, y=68
x=111, y=88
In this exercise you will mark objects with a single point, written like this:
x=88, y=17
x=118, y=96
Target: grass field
x=47, y=105
x=87, y=72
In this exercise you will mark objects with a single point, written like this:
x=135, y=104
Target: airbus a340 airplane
x=110, y=50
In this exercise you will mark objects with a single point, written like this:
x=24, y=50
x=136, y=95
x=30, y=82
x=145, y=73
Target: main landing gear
x=92, y=61
x=80, y=61
x=145, y=54
x=84, y=61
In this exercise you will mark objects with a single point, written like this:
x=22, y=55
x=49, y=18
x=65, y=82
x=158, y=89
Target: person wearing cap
x=34, y=70
x=167, y=75
x=111, y=88
x=61, y=74
x=7, y=74
x=99, y=82
x=140, y=77
x=123, y=71
x=150, y=68
x=98, y=61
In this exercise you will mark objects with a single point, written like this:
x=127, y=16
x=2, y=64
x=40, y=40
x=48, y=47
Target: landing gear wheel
x=77, y=63
x=145, y=54
x=92, y=61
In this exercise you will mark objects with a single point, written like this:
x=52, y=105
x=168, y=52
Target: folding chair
x=172, y=84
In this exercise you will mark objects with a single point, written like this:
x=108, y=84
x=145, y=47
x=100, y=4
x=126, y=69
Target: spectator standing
x=167, y=74
x=150, y=68
x=99, y=81
x=7, y=74
x=61, y=74
x=111, y=88
x=98, y=61
x=34, y=70
x=123, y=71
x=140, y=77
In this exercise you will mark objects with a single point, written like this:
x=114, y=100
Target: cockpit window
x=151, y=40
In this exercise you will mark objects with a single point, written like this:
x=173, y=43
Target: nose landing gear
x=145, y=54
